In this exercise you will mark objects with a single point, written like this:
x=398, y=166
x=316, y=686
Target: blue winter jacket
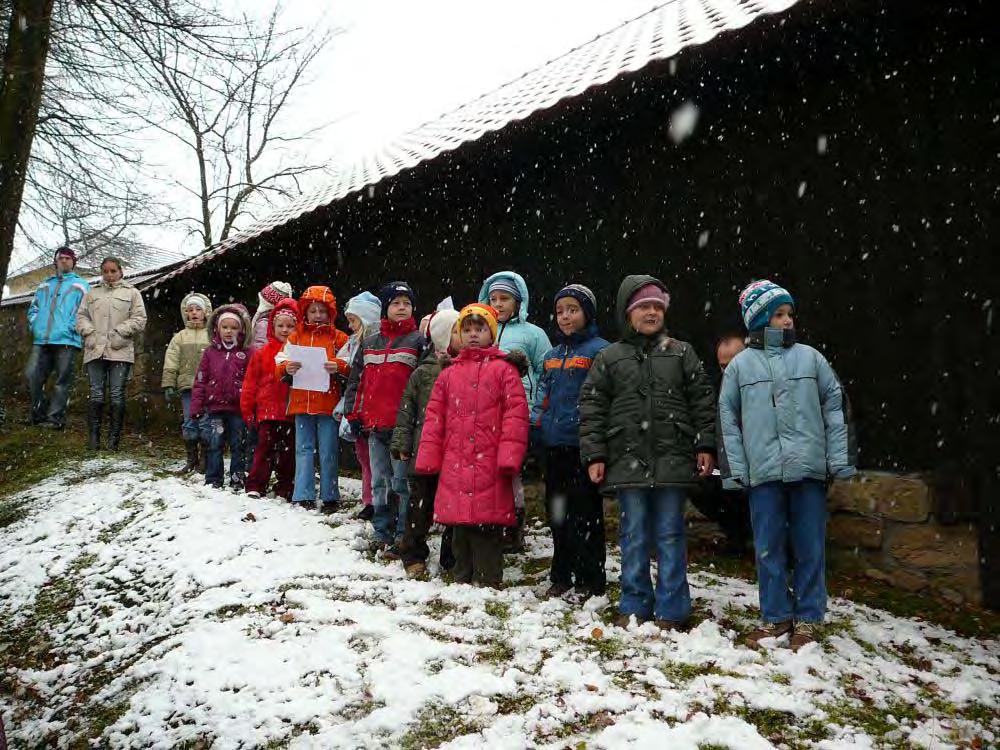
x=566, y=366
x=783, y=415
x=52, y=314
x=518, y=333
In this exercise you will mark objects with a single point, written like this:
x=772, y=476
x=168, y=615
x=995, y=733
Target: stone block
x=935, y=547
x=848, y=530
x=908, y=580
x=893, y=496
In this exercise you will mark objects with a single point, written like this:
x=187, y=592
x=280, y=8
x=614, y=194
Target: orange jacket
x=313, y=334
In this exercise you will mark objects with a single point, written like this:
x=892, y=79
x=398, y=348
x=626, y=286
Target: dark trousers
x=419, y=519
x=275, y=453
x=44, y=359
x=478, y=555
x=110, y=377
x=575, y=512
x=218, y=431
x=730, y=509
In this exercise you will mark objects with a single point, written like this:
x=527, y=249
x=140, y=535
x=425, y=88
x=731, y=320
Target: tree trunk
x=20, y=96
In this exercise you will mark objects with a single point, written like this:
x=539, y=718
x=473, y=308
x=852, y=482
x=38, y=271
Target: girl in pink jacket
x=475, y=435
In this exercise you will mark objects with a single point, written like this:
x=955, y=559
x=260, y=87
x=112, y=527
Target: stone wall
x=889, y=522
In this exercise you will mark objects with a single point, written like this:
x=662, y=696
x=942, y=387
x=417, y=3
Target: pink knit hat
x=648, y=293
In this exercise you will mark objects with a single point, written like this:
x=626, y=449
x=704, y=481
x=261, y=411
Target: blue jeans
x=190, y=428
x=793, y=515
x=217, y=431
x=109, y=376
x=387, y=472
x=44, y=359
x=653, y=520
x=314, y=431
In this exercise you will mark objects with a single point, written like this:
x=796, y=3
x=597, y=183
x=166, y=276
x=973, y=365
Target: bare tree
x=227, y=111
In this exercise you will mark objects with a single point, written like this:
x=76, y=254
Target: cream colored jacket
x=109, y=319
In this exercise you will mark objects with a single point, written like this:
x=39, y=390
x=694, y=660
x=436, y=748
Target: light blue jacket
x=783, y=415
x=518, y=333
x=52, y=314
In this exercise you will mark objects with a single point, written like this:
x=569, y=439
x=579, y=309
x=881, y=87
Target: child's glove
x=169, y=394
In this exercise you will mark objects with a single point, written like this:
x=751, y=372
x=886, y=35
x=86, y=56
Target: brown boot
x=191, y=446
x=416, y=569
x=767, y=630
x=671, y=626
x=556, y=590
x=803, y=634
x=622, y=621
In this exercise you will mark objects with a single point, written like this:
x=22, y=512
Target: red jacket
x=264, y=397
x=475, y=436
x=315, y=334
x=379, y=373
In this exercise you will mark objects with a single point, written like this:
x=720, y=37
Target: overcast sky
x=399, y=63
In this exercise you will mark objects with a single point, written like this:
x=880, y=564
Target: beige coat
x=180, y=363
x=109, y=319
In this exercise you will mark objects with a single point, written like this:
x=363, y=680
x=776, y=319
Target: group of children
x=441, y=415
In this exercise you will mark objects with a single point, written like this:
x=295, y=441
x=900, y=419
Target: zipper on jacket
x=52, y=309
x=649, y=427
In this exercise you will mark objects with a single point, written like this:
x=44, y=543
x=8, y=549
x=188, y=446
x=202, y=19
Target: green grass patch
x=434, y=725
x=533, y=566
x=495, y=651
x=498, y=609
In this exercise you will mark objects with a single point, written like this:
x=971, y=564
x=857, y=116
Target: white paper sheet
x=312, y=376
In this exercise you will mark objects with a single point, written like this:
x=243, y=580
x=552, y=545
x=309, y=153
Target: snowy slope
x=141, y=610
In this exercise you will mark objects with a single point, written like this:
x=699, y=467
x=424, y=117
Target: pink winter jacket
x=475, y=436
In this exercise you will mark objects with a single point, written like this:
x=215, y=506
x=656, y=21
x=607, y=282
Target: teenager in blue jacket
x=573, y=503
x=52, y=321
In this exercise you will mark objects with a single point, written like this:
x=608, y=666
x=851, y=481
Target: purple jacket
x=220, y=374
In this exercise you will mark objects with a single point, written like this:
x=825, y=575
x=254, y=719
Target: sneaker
x=304, y=504
x=671, y=626
x=329, y=508
x=416, y=569
x=623, y=620
x=367, y=513
x=768, y=630
x=803, y=634
x=254, y=494
x=392, y=553
x=556, y=590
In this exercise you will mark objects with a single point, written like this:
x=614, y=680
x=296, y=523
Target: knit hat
x=441, y=325
x=505, y=284
x=424, y=326
x=392, y=290
x=648, y=293
x=479, y=310
x=760, y=300
x=584, y=296
x=288, y=308
x=272, y=294
x=68, y=252
x=198, y=300
x=367, y=307
x=230, y=316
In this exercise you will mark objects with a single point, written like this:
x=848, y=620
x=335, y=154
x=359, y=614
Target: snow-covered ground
x=142, y=610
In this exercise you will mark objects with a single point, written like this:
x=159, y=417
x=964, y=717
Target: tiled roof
x=141, y=280
x=658, y=34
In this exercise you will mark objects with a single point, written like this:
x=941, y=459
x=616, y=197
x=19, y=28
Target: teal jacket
x=518, y=333
x=783, y=415
x=52, y=314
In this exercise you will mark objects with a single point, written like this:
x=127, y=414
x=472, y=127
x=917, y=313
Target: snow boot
x=192, y=456
x=203, y=457
x=767, y=630
x=513, y=536
x=115, y=429
x=94, y=417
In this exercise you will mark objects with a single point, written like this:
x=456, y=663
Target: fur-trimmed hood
x=244, y=338
x=517, y=358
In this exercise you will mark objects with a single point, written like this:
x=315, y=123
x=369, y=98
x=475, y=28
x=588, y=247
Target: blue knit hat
x=392, y=290
x=760, y=300
x=584, y=296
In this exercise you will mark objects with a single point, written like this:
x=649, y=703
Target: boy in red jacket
x=475, y=436
x=264, y=403
x=379, y=373
x=216, y=394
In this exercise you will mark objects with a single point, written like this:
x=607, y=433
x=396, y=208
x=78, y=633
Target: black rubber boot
x=192, y=456
x=115, y=429
x=94, y=418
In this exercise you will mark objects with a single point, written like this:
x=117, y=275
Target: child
x=778, y=383
x=267, y=298
x=379, y=373
x=216, y=394
x=264, y=403
x=474, y=437
x=647, y=430
x=446, y=342
x=507, y=293
x=362, y=316
x=180, y=365
x=315, y=426
x=573, y=504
